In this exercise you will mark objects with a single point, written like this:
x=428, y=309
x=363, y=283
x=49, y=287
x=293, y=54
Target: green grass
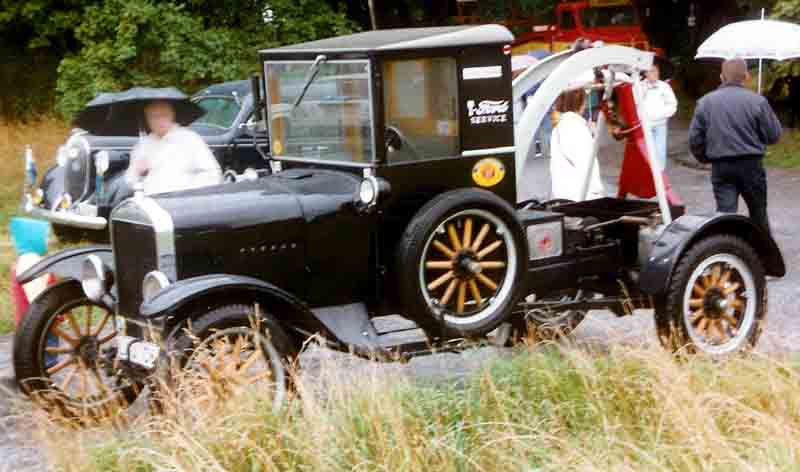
x=785, y=154
x=544, y=409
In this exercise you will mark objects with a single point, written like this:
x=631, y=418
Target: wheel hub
x=89, y=349
x=714, y=304
x=466, y=265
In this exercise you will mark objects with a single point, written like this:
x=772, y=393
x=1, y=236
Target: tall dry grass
x=544, y=409
x=44, y=135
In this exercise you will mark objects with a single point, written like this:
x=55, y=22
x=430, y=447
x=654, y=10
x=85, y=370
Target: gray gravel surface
x=781, y=336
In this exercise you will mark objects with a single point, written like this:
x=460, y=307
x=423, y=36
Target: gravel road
x=781, y=336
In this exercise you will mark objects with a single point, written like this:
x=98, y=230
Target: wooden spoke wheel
x=468, y=265
x=230, y=362
x=63, y=353
x=719, y=303
x=716, y=300
x=226, y=352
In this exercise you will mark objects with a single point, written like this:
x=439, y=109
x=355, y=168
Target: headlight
x=101, y=162
x=61, y=156
x=153, y=283
x=95, y=278
x=76, y=146
x=368, y=191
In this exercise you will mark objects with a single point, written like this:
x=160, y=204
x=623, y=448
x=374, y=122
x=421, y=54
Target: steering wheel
x=396, y=140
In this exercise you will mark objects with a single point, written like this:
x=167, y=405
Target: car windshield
x=220, y=112
x=608, y=16
x=332, y=122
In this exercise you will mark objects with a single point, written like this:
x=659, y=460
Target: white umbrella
x=754, y=39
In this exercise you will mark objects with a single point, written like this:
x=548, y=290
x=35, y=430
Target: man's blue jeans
x=659, y=134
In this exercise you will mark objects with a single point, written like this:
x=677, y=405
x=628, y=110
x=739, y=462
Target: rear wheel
x=462, y=260
x=63, y=354
x=232, y=349
x=717, y=299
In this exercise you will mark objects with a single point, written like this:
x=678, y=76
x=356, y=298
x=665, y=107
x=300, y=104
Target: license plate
x=136, y=351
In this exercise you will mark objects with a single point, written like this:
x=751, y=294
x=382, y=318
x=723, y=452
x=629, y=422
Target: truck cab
x=609, y=21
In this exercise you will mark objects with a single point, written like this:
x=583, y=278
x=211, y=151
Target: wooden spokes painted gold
x=72, y=353
x=467, y=264
x=717, y=303
x=226, y=366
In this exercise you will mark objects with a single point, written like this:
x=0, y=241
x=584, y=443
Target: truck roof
x=405, y=39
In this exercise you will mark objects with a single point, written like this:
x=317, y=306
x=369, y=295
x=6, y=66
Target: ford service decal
x=487, y=111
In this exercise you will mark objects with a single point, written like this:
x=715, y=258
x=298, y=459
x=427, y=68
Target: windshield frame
x=236, y=119
x=370, y=159
x=634, y=17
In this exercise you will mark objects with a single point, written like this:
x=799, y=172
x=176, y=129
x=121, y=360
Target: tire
x=433, y=264
x=195, y=342
x=59, y=346
x=548, y=324
x=716, y=302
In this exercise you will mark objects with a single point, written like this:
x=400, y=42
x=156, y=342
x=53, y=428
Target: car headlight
x=61, y=156
x=368, y=191
x=101, y=162
x=96, y=278
x=153, y=283
x=76, y=146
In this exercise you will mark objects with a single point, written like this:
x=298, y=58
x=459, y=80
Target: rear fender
x=687, y=230
x=67, y=264
x=186, y=298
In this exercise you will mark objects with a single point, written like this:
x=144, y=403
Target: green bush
x=125, y=43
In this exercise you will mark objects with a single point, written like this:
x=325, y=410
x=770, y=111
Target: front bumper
x=65, y=217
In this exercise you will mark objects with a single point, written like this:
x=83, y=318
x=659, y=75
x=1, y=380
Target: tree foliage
x=110, y=45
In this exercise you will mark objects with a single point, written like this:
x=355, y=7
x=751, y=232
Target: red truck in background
x=610, y=21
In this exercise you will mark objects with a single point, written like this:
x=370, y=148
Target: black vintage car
x=400, y=196
x=78, y=193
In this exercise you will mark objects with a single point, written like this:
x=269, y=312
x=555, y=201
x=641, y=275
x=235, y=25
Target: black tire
x=702, y=299
x=278, y=349
x=51, y=313
x=415, y=251
x=550, y=325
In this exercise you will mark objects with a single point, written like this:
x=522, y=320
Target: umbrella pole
x=760, y=60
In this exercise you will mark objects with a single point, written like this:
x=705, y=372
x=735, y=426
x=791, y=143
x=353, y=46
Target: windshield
x=608, y=16
x=332, y=122
x=220, y=112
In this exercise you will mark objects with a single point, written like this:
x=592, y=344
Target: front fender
x=67, y=264
x=688, y=229
x=179, y=298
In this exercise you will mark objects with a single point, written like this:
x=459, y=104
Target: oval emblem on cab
x=488, y=172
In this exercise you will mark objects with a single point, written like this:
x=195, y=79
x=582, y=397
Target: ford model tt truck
x=411, y=199
x=610, y=21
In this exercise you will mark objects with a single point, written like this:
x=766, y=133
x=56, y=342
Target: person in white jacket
x=571, y=151
x=171, y=157
x=659, y=104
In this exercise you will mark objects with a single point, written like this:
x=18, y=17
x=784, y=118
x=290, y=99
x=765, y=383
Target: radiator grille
x=134, y=257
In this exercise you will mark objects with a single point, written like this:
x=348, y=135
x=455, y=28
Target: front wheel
x=717, y=300
x=64, y=354
x=231, y=349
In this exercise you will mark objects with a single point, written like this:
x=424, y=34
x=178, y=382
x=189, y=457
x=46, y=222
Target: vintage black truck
x=404, y=195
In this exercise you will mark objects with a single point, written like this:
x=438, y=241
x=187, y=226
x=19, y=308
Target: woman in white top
x=659, y=104
x=171, y=157
x=571, y=147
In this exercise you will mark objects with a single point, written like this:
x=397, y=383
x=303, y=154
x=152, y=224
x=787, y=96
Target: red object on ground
x=21, y=302
x=18, y=296
x=636, y=177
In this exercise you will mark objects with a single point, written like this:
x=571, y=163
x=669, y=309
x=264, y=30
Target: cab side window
x=421, y=109
x=567, y=20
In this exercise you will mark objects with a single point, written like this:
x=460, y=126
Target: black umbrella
x=122, y=113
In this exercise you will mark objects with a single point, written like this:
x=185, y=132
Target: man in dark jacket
x=731, y=129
